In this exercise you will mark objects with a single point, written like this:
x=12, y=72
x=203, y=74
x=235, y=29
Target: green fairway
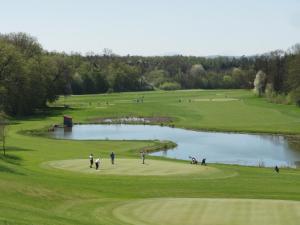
x=134, y=167
x=44, y=181
x=188, y=211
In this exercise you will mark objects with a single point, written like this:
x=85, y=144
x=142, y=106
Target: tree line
x=30, y=76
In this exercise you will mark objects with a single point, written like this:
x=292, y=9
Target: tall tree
x=27, y=44
x=294, y=77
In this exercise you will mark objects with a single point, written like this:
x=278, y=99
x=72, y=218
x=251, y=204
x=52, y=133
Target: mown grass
x=31, y=193
x=190, y=211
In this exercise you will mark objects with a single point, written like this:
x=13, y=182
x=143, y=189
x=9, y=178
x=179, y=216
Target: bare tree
x=107, y=52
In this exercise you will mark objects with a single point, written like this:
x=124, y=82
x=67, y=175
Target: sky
x=156, y=27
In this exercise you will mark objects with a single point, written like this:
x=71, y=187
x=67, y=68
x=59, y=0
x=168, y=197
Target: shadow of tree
x=9, y=169
x=45, y=113
x=6, y=169
x=12, y=159
x=17, y=149
x=8, y=161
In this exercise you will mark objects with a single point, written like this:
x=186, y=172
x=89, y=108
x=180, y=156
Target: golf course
x=47, y=181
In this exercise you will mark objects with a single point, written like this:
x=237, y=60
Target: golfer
x=194, y=160
x=112, y=157
x=143, y=156
x=97, y=163
x=91, y=157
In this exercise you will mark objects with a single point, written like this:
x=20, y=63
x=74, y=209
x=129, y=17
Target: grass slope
x=31, y=193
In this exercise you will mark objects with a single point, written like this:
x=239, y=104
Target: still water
x=228, y=148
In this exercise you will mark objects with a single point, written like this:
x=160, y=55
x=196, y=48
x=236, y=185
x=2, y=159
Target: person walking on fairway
x=97, y=163
x=143, y=155
x=91, y=157
x=112, y=157
x=277, y=169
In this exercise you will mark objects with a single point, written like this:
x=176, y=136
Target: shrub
x=279, y=98
x=170, y=86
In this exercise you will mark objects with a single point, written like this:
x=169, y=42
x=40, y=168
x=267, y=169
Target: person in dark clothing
x=91, y=157
x=112, y=157
x=277, y=169
x=203, y=163
x=143, y=156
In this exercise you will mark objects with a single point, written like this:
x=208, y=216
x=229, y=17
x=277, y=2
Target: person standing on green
x=91, y=157
x=143, y=156
x=112, y=157
x=97, y=163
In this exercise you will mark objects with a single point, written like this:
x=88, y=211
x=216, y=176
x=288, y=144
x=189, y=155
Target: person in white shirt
x=91, y=157
x=97, y=163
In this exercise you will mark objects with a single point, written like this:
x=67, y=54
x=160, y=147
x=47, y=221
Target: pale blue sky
x=156, y=27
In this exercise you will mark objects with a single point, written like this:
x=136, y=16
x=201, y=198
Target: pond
x=227, y=148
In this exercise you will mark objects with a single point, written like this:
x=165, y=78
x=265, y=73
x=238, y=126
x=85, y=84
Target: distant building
x=68, y=122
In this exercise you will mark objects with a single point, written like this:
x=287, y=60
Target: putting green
x=191, y=211
x=134, y=167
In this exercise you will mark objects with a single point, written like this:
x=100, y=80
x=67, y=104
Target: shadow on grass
x=5, y=169
x=11, y=159
x=45, y=113
x=16, y=149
